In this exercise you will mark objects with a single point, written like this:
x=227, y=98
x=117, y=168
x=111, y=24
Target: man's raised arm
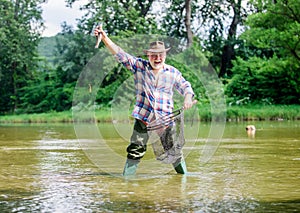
x=111, y=46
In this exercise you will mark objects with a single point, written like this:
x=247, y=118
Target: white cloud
x=55, y=13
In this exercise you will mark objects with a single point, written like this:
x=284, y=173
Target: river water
x=48, y=168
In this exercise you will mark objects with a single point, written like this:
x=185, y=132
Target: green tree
x=20, y=27
x=272, y=77
x=118, y=17
x=220, y=23
x=276, y=28
x=73, y=51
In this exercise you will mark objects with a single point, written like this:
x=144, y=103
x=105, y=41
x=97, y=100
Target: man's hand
x=188, y=101
x=114, y=49
x=99, y=31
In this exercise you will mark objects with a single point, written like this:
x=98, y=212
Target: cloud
x=55, y=13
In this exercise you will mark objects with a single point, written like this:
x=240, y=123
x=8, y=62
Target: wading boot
x=130, y=167
x=180, y=166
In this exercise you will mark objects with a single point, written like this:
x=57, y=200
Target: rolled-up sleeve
x=127, y=60
x=183, y=86
x=131, y=62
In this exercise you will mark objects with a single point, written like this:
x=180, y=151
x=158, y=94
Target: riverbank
x=233, y=113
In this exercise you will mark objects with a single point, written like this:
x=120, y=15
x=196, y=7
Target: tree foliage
x=20, y=27
x=275, y=77
x=258, y=80
x=277, y=27
x=119, y=16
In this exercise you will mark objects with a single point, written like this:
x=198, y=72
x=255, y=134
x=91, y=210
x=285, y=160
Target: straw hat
x=157, y=47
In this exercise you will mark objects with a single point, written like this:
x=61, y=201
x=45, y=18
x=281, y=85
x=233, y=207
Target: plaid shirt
x=153, y=97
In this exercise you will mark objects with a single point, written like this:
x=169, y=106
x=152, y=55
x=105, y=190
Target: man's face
x=157, y=60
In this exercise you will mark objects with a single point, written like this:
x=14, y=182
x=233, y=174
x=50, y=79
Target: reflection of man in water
x=154, y=84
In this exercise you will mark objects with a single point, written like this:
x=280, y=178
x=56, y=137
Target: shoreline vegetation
x=233, y=114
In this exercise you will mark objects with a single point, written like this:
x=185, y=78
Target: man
x=154, y=84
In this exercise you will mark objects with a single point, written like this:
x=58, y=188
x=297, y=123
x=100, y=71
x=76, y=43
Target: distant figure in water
x=251, y=131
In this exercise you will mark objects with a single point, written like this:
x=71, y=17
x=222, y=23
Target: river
x=55, y=168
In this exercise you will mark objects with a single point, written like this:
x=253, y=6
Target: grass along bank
x=233, y=113
x=263, y=112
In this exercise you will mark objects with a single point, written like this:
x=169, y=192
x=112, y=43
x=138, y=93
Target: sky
x=55, y=12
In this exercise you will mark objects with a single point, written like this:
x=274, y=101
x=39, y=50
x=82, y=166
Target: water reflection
x=43, y=169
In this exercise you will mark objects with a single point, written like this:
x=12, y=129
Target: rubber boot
x=130, y=167
x=180, y=166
